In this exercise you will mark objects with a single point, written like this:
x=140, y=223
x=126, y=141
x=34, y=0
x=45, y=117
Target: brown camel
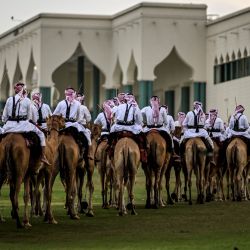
x=54, y=124
x=2, y=173
x=217, y=171
x=236, y=155
x=158, y=159
x=67, y=163
x=126, y=164
x=106, y=172
x=87, y=167
x=195, y=159
x=19, y=164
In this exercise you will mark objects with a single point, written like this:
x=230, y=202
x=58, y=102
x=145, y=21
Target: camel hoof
x=174, y=197
x=170, y=201
x=74, y=217
x=2, y=219
x=133, y=212
x=148, y=206
x=129, y=206
x=84, y=205
x=52, y=221
x=121, y=213
x=90, y=213
x=190, y=203
x=27, y=225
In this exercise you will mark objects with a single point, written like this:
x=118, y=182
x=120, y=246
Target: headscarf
x=20, y=89
x=37, y=98
x=107, y=109
x=198, y=107
x=213, y=113
x=121, y=98
x=80, y=98
x=181, y=116
x=155, y=104
x=70, y=94
x=239, y=109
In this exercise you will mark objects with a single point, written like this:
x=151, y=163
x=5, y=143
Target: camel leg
x=130, y=192
x=71, y=192
x=26, y=201
x=48, y=193
x=79, y=184
x=156, y=189
x=148, y=186
x=15, y=187
x=189, y=181
x=90, y=172
x=2, y=179
x=120, y=187
x=167, y=177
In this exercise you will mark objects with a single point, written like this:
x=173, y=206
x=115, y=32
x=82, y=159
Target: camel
x=20, y=162
x=67, y=163
x=54, y=124
x=195, y=159
x=126, y=164
x=217, y=171
x=106, y=172
x=236, y=154
x=87, y=167
x=158, y=159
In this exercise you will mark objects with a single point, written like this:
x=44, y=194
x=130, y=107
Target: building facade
x=169, y=50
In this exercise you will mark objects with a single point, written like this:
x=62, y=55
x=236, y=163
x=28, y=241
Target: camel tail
x=194, y=148
x=126, y=161
x=9, y=163
x=234, y=154
x=61, y=162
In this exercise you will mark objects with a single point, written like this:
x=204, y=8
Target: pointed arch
x=117, y=74
x=215, y=61
x=233, y=56
x=4, y=88
x=245, y=54
x=18, y=76
x=239, y=54
x=32, y=74
x=221, y=59
x=227, y=58
x=68, y=73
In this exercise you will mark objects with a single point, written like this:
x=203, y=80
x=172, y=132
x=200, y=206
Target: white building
x=170, y=50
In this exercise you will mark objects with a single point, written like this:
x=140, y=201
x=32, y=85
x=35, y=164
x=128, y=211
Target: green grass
x=215, y=225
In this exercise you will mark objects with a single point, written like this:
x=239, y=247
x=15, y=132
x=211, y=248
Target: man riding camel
x=127, y=117
x=215, y=126
x=193, y=125
x=41, y=110
x=18, y=112
x=71, y=111
x=155, y=117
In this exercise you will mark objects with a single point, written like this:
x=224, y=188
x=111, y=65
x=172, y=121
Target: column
x=145, y=92
x=200, y=93
x=185, y=99
x=169, y=101
x=110, y=93
x=96, y=90
x=80, y=74
x=46, y=93
x=127, y=89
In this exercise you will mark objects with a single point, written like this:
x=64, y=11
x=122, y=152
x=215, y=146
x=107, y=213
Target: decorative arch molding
x=11, y=62
x=167, y=72
x=117, y=74
x=4, y=87
x=131, y=68
x=31, y=78
x=18, y=75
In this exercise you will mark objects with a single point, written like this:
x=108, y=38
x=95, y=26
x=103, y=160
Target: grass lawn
x=215, y=225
